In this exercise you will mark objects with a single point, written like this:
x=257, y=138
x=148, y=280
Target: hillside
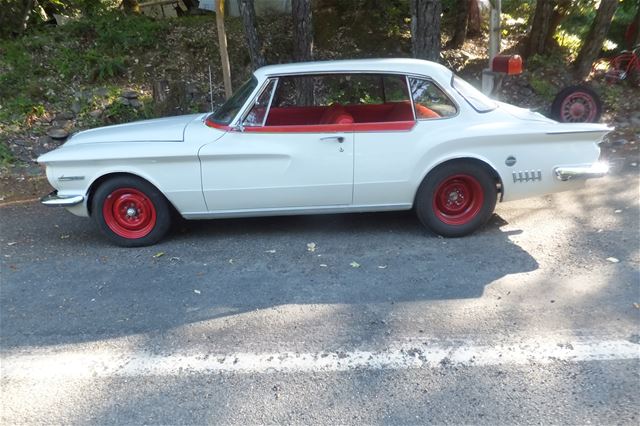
x=89, y=73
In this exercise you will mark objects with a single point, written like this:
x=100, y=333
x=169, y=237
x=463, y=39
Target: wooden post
x=222, y=42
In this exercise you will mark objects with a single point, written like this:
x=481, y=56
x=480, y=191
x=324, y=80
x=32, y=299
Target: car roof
x=392, y=65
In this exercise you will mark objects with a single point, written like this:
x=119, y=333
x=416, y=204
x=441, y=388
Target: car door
x=388, y=146
x=257, y=166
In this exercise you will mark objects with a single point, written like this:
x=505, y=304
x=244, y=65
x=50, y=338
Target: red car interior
x=347, y=114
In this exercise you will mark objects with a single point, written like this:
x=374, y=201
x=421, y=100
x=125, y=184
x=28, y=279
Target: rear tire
x=456, y=199
x=131, y=212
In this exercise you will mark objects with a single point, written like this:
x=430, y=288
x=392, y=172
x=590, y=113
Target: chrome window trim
x=245, y=110
x=273, y=92
x=413, y=105
x=435, y=83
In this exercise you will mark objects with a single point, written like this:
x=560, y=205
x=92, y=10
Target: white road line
x=425, y=354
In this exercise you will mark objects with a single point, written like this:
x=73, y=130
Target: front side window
x=429, y=100
x=260, y=107
x=340, y=99
x=230, y=108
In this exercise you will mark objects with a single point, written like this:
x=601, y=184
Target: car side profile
x=324, y=137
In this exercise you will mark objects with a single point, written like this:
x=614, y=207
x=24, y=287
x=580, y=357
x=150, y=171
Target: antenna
x=210, y=89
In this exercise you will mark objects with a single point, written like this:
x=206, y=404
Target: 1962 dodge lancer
x=324, y=137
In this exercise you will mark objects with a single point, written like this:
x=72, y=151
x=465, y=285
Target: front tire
x=131, y=212
x=456, y=199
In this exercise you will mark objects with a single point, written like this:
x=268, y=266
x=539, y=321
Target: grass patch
x=43, y=64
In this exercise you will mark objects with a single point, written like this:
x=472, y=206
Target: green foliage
x=518, y=8
x=6, y=157
x=612, y=94
x=541, y=68
x=543, y=87
x=83, y=51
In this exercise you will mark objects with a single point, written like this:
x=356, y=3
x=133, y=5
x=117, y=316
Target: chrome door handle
x=340, y=139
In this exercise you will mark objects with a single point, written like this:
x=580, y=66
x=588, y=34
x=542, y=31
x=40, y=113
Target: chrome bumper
x=53, y=199
x=565, y=173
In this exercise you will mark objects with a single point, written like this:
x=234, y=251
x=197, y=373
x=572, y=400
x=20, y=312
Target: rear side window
x=473, y=96
x=429, y=100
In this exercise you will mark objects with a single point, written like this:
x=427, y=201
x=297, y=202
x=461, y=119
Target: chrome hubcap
x=132, y=212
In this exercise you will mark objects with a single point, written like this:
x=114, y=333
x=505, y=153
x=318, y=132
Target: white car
x=324, y=137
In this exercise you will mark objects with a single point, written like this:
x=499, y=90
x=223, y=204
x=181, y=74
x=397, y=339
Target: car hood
x=169, y=129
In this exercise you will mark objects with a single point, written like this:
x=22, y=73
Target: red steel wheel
x=579, y=107
x=576, y=104
x=458, y=199
x=129, y=213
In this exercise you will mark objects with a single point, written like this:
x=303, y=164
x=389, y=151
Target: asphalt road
x=534, y=319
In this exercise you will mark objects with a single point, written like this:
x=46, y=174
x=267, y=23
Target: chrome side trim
x=64, y=178
x=292, y=211
x=565, y=173
x=53, y=199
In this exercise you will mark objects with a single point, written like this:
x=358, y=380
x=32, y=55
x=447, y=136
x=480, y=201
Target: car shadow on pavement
x=78, y=292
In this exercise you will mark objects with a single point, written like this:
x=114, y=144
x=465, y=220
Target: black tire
x=576, y=104
x=130, y=211
x=456, y=198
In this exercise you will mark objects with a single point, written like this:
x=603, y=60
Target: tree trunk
x=593, y=42
x=425, y=29
x=303, y=46
x=559, y=13
x=26, y=14
x=474, y=23
x=460, y=32
x=254, y=42
x=540, y=28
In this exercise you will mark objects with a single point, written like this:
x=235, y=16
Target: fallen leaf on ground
x=159, y=254
x=613, y=259
x=354, y=264
x=311, y=247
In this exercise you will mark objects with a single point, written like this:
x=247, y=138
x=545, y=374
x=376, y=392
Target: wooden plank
x=157, y=3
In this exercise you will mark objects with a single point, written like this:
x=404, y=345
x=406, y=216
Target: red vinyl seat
x=336, y=114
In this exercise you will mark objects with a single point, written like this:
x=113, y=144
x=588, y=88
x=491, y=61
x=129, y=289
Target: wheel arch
x=465, y=159
x=107, y=176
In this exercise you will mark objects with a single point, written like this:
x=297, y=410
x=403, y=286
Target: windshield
x=230, y=108
x=473, y=96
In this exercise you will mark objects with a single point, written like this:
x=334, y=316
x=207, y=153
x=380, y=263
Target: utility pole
x=488, y=76
x=222, y=43
x=494, y=29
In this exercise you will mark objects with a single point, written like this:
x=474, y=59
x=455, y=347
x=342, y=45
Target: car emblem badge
x=510, y=161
